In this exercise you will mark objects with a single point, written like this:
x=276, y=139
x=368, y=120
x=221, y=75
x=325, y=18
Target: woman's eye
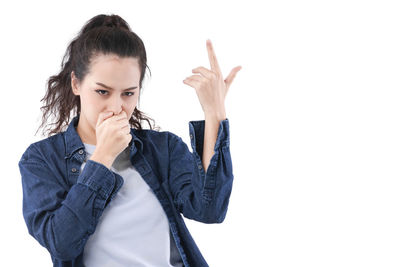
x=99, y=91
x=131, y=93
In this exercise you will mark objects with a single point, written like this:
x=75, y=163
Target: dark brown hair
x=103, y=34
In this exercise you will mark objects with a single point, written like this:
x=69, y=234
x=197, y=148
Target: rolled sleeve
x=198, y=195
x=196, y=132
x=101, y=179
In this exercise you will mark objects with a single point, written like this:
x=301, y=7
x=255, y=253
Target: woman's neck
x=87, y=135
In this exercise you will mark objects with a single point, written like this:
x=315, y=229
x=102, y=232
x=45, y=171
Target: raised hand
x=211, y=88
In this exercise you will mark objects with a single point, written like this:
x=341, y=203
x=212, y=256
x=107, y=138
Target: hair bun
x=114, y=21
x=102, y=20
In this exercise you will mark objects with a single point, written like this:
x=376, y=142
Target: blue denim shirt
x=62, y=206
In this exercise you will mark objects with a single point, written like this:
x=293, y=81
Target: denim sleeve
x=198, y=195
x=61, y=220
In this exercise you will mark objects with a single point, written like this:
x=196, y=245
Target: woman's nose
x=116, y=105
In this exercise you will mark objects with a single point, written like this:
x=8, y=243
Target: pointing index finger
x=212, y=57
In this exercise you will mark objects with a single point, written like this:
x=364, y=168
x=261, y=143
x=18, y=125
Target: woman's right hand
x=112, y=137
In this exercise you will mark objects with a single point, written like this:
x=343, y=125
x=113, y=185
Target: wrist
x=215, y=115
x=102, y=158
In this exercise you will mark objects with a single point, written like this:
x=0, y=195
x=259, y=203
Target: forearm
x=212, y=122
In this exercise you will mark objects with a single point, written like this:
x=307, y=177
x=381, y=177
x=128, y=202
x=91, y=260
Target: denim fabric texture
x=62, y=206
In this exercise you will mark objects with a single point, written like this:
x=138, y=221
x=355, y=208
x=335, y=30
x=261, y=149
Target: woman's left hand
x=210, y=87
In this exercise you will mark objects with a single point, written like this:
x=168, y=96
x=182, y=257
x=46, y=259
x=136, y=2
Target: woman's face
x=112, y=84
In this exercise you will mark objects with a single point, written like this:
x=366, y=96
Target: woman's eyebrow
x=108, y=87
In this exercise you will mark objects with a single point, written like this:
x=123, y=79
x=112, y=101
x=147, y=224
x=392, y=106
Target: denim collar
x=73, y=141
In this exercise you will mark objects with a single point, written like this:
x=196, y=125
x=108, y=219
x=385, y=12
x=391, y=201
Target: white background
x=314, y=119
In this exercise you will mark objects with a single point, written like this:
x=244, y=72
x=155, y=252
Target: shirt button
x=80, y=151
x=73, y=170
x=191, y=136
x=199, y=166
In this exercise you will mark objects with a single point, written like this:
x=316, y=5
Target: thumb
x=103, y=116
x=231, y=76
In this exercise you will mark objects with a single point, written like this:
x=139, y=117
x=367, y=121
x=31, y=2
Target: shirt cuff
x=101, y=179
x=196, y=132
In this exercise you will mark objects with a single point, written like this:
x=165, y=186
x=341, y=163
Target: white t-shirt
x=133, y=229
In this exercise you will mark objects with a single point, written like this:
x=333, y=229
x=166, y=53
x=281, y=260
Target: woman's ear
x=74, y=84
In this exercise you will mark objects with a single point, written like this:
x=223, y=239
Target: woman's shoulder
x=149, y=133
x=158, y=138
x=44, y=148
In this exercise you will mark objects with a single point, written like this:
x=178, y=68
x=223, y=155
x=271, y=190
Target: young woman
x=105, y=192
